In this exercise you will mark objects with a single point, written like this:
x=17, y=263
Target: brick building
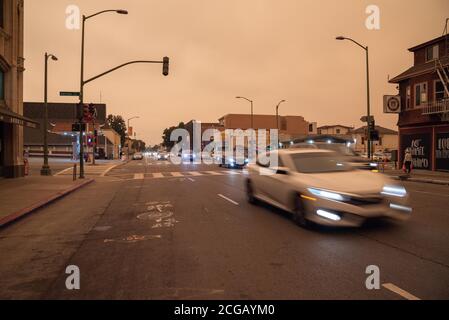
x=424, y=117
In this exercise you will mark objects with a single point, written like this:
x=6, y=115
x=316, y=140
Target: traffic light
x=86, y=114
x=374, y=135
x=165, y=65
x=92, y=111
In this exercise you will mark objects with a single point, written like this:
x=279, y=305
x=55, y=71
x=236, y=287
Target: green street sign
x=69, y=94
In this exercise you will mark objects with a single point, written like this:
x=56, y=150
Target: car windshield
x=339, y=148
x=319, y=163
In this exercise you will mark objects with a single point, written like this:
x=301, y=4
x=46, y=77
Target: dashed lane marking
x=139, y=176
x=227, y=199
x=400, y=291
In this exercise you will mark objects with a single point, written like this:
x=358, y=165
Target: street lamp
x=277, y=113
x=46, y=171
x=367, y=91
x=81, y=103
x=252, y=114
x=137, y=117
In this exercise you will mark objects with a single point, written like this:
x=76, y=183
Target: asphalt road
x=153, y=230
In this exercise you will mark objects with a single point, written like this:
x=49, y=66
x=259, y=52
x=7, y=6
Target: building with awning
x=12, y=67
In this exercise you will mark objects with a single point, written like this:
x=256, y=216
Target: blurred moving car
x=344, y=151
x=163, y=156
x=237, y=160
x=137, y=156
x=319, y=187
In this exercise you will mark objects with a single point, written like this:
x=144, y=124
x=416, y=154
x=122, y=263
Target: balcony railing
x=436, y=107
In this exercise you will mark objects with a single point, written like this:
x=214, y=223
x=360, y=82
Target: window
x=408, y=97
x=310, y=127
x=2, y=18
x=338, y=131
x=440, y=93
x=2, y=85
x=432, y=53
x=420, y=94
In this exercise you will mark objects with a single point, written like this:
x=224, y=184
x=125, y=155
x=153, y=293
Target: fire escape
x=441, y=107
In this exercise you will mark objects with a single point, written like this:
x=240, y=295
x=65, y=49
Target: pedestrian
x=408, y=161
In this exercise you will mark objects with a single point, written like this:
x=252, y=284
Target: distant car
x=237, y=160
x=319, y=187
x=137, y=156
x=163, y=156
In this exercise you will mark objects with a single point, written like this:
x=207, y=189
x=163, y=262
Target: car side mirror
x=282, y=170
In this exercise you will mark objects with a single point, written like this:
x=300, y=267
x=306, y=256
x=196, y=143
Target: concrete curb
x=422, y=180
x=42, y=203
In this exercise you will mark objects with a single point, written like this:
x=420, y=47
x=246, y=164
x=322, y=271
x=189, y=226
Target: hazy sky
x=267, y=50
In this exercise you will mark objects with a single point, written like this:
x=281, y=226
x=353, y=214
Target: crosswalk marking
x=214, y=173
x=139, y=176
x=195, y=173
x=158, y=175
x=176, y=174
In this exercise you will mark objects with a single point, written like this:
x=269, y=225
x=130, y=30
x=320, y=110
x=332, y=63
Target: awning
x=9, y=116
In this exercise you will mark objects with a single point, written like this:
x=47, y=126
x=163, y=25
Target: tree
x=167, y=133
x=119, y=125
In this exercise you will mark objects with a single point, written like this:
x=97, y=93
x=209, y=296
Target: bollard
x=74, y=172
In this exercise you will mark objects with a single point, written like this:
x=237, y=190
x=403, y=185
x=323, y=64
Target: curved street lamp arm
x=98, y=13
x=245, y=99
x=118, y=67
x=360, y=45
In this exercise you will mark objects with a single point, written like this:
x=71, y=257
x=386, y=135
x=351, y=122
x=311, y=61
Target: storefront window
x=2, y=85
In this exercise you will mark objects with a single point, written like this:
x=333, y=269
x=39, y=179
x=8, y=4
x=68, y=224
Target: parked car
x=137, y=156
x=319, y=187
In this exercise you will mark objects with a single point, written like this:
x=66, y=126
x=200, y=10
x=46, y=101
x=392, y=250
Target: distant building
x=388, y=139
x=336, y=130
x=12, y=67
x=61, y=116
x=424, y=116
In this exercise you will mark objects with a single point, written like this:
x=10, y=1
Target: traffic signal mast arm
x=165, y=62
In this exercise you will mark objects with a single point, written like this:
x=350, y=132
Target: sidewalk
x=435, y=177
x=19, y=197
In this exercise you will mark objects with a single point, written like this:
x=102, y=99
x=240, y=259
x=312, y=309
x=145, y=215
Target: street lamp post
x=277, y=113
x=46, y=171
x=128, y=131
x=252, y=118
x=82, y=83
x=368, y=111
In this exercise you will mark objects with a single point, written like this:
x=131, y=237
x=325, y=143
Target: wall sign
x=442, y=151
x=420, y=146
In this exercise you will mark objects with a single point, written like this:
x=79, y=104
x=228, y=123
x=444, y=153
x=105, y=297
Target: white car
x=137, y=156
x=317, y=186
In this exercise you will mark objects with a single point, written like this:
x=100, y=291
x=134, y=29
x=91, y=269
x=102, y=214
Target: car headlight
x=326, y=194
x=373, y=164
x=395, y=191
x=247, y=160
x=230, y=160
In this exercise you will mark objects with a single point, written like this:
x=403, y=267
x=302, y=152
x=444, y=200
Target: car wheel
x=299, y=213
x=250, y=192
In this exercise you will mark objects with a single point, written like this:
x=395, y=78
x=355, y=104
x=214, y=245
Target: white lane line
x=400, y=291
x=109, y=169
x=63, y=171
x=139, y=176
x=193, y=180
x=227, y=199
x=233, y=172
x=177, y=174
x=158, y=175
x=195, y=173
x=432, y=193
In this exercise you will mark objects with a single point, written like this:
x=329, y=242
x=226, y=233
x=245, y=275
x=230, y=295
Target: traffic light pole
x=81, y=103
x=368, y=108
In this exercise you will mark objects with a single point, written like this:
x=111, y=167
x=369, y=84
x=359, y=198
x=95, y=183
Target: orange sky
x=266, y=50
